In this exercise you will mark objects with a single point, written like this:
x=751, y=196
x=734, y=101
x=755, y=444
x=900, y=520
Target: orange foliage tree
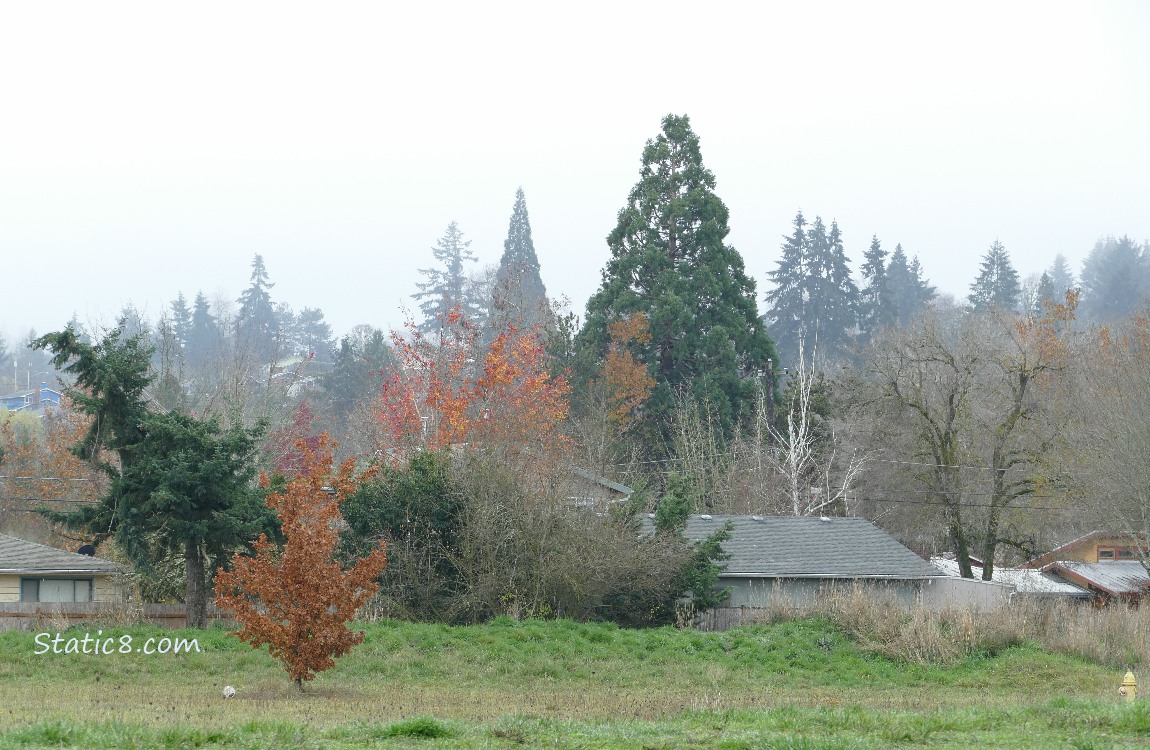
x=628, y=382
x=37, y=465
x=298, y=598
x=448, y=392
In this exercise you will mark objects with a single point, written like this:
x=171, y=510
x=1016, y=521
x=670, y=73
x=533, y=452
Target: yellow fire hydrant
x=1129, y=689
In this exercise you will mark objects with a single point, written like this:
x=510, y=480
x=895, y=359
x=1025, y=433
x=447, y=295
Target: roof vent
x=705, y=517
x=756, y=518
x=650, y=515
x=824, y=519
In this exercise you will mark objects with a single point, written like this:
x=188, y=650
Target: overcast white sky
x=152, y=148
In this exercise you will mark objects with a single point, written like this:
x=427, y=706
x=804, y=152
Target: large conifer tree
x=997, y=285
x=518, y=297
x=203, y=335
x=446, y=287
x=876, y=309
x=814, y=297
x=669, y=261
x=1115, y=279
x=910, y=292
x=257, y=327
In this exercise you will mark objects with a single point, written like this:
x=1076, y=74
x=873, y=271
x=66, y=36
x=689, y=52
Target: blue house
x=35, y=400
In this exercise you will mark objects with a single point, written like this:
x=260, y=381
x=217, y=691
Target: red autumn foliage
x=449, y=392
x=298, y=599
x=289, y=460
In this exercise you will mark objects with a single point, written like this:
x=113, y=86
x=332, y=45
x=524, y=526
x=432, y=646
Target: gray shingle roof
x=19, y=556
x=809, y=547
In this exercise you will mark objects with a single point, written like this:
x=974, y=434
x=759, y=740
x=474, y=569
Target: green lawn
x=561, y=684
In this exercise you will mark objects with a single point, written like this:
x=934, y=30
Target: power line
x=48, y=479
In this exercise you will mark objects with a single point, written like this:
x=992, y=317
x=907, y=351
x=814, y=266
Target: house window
x=1125, y=553
x=55, y=589
x=1105, y=553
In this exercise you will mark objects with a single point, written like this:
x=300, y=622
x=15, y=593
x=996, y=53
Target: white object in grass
x=229, y=692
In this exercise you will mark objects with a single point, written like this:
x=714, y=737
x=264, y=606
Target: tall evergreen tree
x=814, y=296
x=204, y=335
x=446, y=287
x=997, y=285
x=877, y=308
x=181, y=320
x=1115, y=279
x=909, y=291
x=1061, y=277
x=358, y=366
x=924, y=292
x=787, y=301
x=669, y=260
x=257, y=325
x=519, y=297
x=1045, y=292
x=314, y=334
x=838, y=308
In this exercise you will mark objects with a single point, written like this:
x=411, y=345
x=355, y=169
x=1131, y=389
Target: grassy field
x=562, y=684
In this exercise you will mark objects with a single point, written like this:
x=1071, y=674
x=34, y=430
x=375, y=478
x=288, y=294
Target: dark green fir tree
x=997, y=286
x=669, y=260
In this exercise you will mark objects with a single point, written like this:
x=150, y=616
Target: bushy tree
x=1115, y=279
x=297, y=599
x=669, y=260
x=418, y=511
x=997, y=286
x=179, y=483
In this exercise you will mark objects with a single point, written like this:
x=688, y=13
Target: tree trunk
x=195, y=600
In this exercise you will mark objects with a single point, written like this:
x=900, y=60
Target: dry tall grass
x=1117, y=635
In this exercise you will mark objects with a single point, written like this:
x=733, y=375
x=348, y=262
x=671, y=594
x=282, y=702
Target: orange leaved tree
x=450, y=391
x=298, y=598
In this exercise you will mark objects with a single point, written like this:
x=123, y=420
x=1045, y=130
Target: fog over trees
x=979, y=427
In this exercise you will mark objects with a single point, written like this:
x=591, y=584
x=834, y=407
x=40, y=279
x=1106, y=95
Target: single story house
x=1097, y=546
x=31, y=572
x=793, y=559
x=1026, y=581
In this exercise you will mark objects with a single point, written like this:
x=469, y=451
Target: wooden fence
x=44, y=616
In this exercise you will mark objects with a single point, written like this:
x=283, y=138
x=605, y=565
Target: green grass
x=798, y=684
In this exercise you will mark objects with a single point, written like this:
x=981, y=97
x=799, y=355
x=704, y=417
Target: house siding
x=9, y=588
x=106, y=587
x=806, y=592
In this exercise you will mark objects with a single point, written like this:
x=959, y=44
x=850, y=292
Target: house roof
x=1113, y=577
x=20, y=556
x=602, y=481
x=1061, y=550
x=1024, y=581
x=809, y=547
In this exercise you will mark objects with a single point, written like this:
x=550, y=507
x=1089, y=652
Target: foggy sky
x=148, y=149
